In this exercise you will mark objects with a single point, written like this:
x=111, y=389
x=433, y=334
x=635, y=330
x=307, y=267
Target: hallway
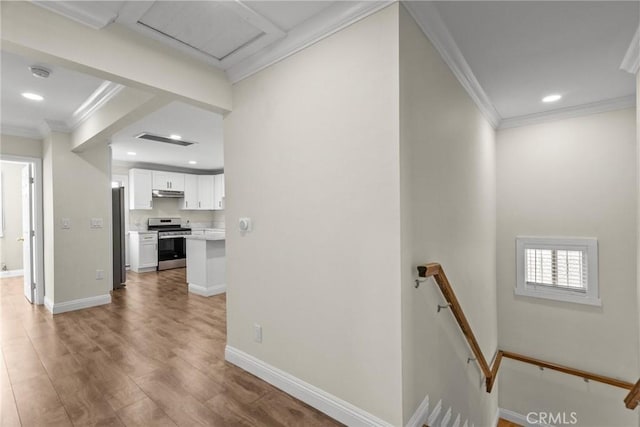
x=155, y=356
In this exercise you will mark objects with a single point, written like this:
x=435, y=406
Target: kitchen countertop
x=207, y=236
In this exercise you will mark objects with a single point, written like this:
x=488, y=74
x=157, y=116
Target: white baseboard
x=419, y=417
x=11, y=273
x=207, y=291
x=517, y=418
x=331, y=405
x=76, y=304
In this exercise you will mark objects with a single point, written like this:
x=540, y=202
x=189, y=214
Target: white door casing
x=28, y=233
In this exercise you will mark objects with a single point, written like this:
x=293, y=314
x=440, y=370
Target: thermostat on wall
x=245, y=224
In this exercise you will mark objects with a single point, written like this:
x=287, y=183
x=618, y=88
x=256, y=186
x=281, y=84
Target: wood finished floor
x=154, y=357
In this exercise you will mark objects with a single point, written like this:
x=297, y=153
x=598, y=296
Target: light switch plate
x=66, y=223
x=96, y=223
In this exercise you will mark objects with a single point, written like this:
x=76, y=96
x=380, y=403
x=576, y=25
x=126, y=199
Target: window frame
x=587, y=244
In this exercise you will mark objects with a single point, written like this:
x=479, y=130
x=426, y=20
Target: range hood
x=168, y=194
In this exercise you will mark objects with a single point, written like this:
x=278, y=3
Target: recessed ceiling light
x=192, y=162
x=174, y=136
x=32, y=96
x=552, y=98
x=131, y=153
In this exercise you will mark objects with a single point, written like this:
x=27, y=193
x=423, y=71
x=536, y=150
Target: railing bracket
x=586, y=380
x=420, y=280
x=469, y=359
x=440, y=307
x=541, y=368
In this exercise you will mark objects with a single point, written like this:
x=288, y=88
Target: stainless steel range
x=172, y=248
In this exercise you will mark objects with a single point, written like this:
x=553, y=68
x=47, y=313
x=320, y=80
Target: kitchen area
x=169, y=197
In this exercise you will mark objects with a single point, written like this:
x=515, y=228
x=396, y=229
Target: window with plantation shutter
x=564, y=269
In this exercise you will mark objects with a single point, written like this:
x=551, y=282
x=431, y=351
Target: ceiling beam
x=126, y=107
x=114, y=53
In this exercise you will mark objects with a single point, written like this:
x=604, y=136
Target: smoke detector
x=40, y=72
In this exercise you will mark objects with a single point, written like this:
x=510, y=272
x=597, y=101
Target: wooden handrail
x=435, y=270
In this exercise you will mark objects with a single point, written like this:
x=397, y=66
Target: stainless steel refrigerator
x=119, y=271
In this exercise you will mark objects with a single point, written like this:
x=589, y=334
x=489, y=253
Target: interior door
x=27, y=231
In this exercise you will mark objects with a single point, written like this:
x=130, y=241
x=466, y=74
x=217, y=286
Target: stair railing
x=436, y=271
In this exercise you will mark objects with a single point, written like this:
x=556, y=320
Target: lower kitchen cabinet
x=144, y=251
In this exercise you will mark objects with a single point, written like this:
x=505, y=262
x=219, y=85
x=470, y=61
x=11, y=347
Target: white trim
x=631, y=61
x=570, y=112
x=426, y=15
x=97, y=99
x=329, y=21
x=76, y=304
x=331, y=405
x=96, y=18
x=21, y=131
x=207, y=291
x=446, y=418
x=38, y=249
x=517, y=418
x=11, y=273
x=586, y=244
x=419, y=417
x=434, y=414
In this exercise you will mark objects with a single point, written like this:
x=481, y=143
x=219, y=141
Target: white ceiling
x=191, y=123
x=522, y=51
x=507, y=55
x=64, y=91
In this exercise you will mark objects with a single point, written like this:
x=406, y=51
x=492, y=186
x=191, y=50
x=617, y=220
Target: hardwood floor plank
x=144, y=413
x=153, y=357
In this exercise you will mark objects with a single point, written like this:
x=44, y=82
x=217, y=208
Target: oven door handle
x=171, y=237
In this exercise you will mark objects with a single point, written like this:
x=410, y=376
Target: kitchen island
x=206, y=263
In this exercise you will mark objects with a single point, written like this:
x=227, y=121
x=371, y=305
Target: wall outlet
x=99, y=274
x=257, y=333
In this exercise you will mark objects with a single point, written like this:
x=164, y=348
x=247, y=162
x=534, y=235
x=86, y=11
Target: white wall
x=573, y=177
x=72, y=256
x=448, y=216
x=19, y=146
x=311, y=155
x=10, y=247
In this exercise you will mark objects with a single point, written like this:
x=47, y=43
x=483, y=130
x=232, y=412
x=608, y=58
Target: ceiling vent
x=166, y=140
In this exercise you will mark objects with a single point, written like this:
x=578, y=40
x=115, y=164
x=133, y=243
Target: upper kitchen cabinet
x=218, y=192
x=191, y=195
x=206, y=188
x=140, y=183
x=168, y=181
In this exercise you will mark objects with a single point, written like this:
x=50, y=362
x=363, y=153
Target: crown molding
x=570, y=112
x=21, y=131
x=426, y=15
x=97, y=99
x=631, y=61
x=329, y=21
x=97, y=18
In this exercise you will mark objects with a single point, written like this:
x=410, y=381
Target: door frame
x=38, y=215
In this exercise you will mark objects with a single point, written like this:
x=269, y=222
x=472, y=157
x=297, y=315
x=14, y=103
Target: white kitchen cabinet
x=190, y=201
x=140, y=183
x=168, y=181
x=206, y=192
x=144, y=251
x=218, y=192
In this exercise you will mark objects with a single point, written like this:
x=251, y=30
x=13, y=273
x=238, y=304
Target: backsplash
x=169, y=208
